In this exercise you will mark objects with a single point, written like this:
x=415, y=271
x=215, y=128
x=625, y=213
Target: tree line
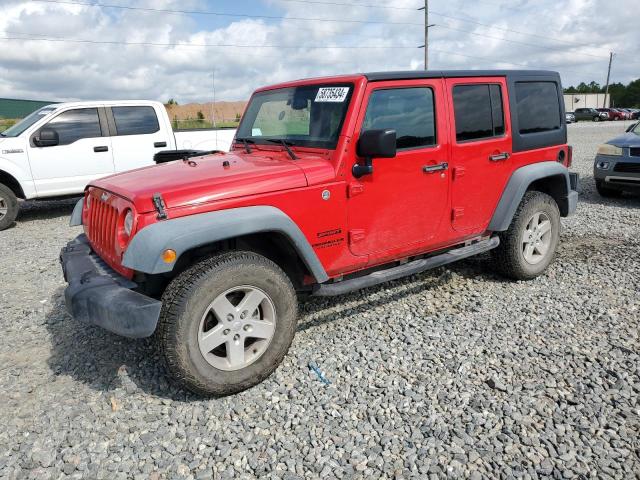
x=627, y=96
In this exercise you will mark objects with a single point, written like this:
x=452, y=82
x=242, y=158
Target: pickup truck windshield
x=21, y=126
x=309, y=116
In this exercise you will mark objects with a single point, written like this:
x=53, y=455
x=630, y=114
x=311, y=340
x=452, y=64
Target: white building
x=585, y=100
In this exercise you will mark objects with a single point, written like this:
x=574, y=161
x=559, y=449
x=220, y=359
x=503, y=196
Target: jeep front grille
x=103, y=219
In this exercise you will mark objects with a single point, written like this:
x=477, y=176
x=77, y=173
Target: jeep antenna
x=426, y=34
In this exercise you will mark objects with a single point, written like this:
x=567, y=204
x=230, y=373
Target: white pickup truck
x=57, y=150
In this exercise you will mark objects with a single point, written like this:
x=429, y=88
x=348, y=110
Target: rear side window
x=74, y=125
x=478, y=111
x=538, y=108
x=135, y=120
x=409, y=111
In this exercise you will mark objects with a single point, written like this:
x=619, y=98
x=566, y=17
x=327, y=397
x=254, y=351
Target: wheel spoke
x=544, y=227
x=543, y=248
x=251, y=301
x=528, y=251
x=260, y=329
x=534, y=221
x=213, y=338
x=235, y=353
x=222, y=308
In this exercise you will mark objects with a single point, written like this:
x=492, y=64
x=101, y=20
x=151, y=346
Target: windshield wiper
x=245, y=142
x=285, y=144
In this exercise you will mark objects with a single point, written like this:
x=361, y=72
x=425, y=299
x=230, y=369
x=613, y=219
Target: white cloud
x=579, y=32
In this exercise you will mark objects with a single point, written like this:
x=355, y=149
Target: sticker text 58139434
x=332, y=94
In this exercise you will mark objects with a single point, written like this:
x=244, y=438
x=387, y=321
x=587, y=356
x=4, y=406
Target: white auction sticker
x=332, y=94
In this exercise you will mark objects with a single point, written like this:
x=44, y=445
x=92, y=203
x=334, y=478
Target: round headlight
x=128, y=223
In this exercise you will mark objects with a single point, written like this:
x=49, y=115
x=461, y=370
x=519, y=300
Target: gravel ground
x=454, y=373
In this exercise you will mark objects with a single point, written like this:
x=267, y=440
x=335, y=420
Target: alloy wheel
x=536, y=240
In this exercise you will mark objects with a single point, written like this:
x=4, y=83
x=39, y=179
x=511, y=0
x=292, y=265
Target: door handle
x=103, y=148
x=435, y=168
x=160, y=144
x=499, y=156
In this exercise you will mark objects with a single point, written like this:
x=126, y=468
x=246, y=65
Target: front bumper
x=100, y=296
x=622, y=172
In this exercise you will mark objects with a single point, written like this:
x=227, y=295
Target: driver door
x=83, y=153
x=398, y=209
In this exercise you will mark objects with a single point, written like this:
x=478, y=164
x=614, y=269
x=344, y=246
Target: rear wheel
x=8, y=207
x=227, y=323
x=596, y=119
x=527, y=248
x=607, y=192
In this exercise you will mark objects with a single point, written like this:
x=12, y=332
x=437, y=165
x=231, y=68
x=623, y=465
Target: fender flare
x=517, y=186
x=185, y=233
x=76, y=215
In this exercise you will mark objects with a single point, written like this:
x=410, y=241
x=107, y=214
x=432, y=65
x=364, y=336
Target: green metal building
x=14, y=108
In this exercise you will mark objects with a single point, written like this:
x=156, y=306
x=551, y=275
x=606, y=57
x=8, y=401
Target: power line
x=221, y=14
x=364, y=5
x=200, y=45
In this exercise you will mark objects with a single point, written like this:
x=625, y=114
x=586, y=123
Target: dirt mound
x=223, y=111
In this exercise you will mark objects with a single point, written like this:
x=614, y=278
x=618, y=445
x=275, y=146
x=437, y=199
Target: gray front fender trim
x=76, y=215
x=517, y=187
x=181, y=234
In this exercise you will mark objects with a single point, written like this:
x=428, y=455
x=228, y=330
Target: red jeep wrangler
x=332, y=184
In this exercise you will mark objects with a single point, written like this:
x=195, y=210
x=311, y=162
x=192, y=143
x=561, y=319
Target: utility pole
x=426, y=33
x=606, y=90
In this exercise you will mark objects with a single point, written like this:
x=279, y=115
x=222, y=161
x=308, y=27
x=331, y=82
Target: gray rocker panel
x=185, y=233
x=517, y=186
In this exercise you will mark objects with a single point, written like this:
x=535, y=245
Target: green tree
x=200, y=115
x=631, y=97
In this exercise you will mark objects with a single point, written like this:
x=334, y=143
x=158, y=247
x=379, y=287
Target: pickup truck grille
x=625, y=167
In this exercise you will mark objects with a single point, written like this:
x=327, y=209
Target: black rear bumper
x=100, y=296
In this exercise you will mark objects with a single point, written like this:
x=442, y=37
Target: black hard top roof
x=416, y=74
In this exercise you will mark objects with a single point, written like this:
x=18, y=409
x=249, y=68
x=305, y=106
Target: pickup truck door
x=481, y=150
x=399, y=208
x=137, y=134
x=83, y=152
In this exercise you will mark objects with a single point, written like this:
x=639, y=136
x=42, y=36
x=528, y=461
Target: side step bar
x=411, y=268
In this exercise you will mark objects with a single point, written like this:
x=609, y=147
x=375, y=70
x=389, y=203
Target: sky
x=61, y=50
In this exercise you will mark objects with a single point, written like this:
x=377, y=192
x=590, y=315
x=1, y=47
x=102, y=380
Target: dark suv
x=590, y=114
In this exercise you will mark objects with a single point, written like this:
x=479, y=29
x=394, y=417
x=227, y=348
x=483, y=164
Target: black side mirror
x=46, y=137
x=631, y=127
x=374, y=144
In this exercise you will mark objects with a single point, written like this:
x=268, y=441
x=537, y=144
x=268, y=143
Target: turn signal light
x=169, y=256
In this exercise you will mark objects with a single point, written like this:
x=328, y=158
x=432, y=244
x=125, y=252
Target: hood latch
x=158, y=202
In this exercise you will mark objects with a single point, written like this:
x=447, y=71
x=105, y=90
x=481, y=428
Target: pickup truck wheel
x=527, y=248
x=227, y=323
x=8, y=207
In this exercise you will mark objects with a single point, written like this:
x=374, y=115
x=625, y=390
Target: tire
x=189, y=313
x=596, y=119
x=8, y=207
x=510, y=256
x=607, y=192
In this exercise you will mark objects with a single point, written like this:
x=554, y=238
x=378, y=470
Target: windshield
x=636, y=129
x=310, y=115
x=21, y=126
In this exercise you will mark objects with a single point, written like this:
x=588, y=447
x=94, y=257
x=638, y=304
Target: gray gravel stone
x=409, y=364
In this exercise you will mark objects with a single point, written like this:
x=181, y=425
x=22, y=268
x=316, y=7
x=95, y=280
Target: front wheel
x=227, y=323
x=8, y=207
x=527, y=248
x=596, y=119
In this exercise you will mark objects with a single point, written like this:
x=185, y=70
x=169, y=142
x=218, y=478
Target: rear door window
x=408, y=111
x=478, y=111
x=135, y=120
x=74, y=125
x=538, y=107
